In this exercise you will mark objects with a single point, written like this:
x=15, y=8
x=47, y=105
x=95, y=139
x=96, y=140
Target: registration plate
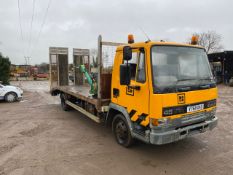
x=195, y=108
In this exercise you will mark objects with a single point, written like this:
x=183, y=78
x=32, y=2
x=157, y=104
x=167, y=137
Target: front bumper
x=20, y=97
x=160, y=137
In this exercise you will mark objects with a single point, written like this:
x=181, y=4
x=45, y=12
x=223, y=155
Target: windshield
x=179, y=67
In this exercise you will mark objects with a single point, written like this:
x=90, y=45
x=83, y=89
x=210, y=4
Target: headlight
x=160, y=122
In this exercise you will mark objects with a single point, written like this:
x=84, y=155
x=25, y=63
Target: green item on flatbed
x=90, y=81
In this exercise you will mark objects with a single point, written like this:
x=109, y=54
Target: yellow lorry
x=159, y=92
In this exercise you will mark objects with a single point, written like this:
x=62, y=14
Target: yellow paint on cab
x=144, y=101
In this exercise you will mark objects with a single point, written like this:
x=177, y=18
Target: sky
x=77, y=23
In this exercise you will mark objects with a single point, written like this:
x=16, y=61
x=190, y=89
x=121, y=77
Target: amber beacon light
x=130, y=39
x=194, y=40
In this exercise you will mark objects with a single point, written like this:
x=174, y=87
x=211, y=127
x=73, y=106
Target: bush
x=4, y=69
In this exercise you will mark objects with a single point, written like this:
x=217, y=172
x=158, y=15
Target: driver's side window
x=137, y=66
x=141, y=75
x=133, y=65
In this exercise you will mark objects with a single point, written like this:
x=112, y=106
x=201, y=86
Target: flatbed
x=82, y=92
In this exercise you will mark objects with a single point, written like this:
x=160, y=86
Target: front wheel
x=121, y=131
x=11, y=97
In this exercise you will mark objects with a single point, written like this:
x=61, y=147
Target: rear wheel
x=11, y=97
x=121, y=131
x=64, y=106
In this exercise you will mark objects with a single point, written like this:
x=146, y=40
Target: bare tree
x=210, y=40
x=93, y=54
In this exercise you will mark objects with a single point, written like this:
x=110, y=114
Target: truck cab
x=161, y=92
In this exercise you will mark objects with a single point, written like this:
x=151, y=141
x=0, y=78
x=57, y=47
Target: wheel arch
x=11, y=92
x=115, y=109
x=55, y=92
x=8, y=92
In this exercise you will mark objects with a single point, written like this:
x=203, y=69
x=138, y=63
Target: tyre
x=11, y=97
x=64, y=106
x=121, y=131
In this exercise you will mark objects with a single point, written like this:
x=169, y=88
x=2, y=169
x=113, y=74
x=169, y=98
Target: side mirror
x=127, y=53
x=125, y=74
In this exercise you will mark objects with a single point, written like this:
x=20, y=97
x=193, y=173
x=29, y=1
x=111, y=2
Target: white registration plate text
x=195, y=108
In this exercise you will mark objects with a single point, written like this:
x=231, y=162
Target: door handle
x=135, y=87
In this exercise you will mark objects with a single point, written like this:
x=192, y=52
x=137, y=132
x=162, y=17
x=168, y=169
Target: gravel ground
x=38, y=138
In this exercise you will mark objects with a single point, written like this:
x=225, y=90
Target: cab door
x=135, y=97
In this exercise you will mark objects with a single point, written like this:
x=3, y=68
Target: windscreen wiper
x=185, y=88
x=205, y=86
x=206, y=78
x=185, y=79
x=208, y=85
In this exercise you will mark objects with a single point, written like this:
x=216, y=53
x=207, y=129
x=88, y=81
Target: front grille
x=183, y=109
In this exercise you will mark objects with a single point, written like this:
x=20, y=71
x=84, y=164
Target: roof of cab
x=161, y=43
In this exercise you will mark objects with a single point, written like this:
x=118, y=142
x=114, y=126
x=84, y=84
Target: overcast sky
x=77, y=23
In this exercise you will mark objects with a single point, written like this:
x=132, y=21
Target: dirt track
x=37, y=137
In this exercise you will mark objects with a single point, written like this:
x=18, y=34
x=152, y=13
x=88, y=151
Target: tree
x=4, y=69
x=210, y=40
x=93, y=54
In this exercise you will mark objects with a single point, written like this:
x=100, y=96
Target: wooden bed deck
x=82, y=92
